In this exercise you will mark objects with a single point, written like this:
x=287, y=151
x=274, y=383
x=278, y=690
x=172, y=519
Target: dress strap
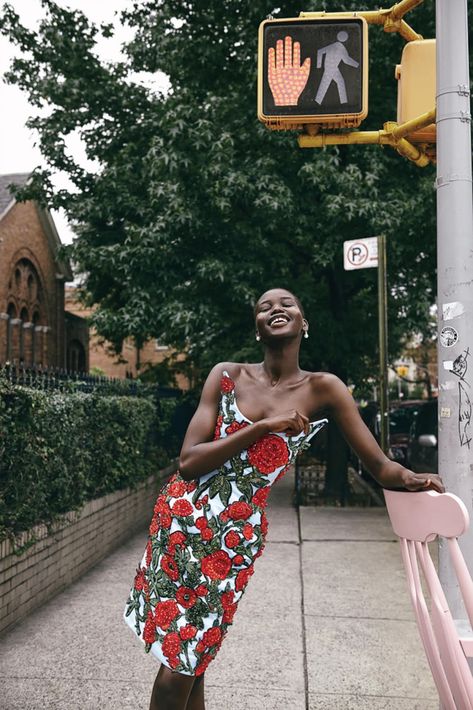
x=226, y=383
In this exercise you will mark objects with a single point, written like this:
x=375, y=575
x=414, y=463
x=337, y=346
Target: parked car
x=422, y=447
x=401, y=418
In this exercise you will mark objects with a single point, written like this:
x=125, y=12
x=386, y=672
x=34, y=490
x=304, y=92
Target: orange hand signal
x=287, y=78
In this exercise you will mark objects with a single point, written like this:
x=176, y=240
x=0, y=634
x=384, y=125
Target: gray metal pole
x=383, y=344
x=455, y=271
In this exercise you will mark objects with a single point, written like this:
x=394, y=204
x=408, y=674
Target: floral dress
x=204, y=538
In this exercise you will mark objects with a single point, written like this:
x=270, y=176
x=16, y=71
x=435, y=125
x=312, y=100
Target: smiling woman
x=209, y=524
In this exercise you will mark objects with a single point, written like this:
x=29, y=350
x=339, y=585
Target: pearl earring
x=306, y=334
x=258, y=337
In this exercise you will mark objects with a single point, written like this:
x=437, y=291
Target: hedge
x=59, y=450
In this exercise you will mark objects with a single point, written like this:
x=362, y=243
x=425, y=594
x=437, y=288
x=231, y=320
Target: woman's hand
x=422, y=481
x=292, y=423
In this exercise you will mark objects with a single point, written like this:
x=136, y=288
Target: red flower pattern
x=260, y=498
x=177, y=489
x=186, y=597
x=203, y=664
x=176, y=538
x=227, y=599
x=218, y=427
x=269, y=453
x=226, y=384
x=235, y=426
x=182, y=507
x=149, y=552
x=212, y=637
x=242, y=578
x=139, y=579
x=239, y=510
x=171, y=645
x=247, y=531
x=217, y=565
x=176, y=608
x=229, y=613
x=169, y=566
x=149, y=633
x=232, y=539
x=187, y=632
x=165, y=613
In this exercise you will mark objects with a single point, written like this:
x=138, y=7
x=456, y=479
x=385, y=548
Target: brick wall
x=56, y=559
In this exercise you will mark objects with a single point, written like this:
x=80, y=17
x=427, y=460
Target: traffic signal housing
x=313, y=71
x=416, y=75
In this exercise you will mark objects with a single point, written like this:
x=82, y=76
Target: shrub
x=58, y=450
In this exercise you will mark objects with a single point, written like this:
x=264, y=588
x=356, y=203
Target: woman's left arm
x=388, y=473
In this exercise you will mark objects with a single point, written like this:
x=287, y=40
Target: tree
x=196, y=208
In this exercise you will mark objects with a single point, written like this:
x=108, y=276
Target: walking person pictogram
x=335, y=54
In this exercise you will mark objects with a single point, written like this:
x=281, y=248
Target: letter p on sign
x=360, y=253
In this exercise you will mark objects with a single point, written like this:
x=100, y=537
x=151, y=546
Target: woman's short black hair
x=297, y=300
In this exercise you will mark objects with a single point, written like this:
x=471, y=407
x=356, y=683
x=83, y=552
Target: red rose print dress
x=204, y=537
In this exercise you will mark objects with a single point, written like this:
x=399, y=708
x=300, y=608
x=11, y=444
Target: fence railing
x=58, y=379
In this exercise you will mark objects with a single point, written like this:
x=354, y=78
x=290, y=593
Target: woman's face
x=278, y=315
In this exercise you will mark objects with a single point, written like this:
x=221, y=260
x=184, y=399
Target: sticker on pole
x=360, y=253
x=448, y=336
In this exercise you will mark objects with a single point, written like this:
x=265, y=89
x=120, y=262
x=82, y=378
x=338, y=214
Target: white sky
x=18, y=151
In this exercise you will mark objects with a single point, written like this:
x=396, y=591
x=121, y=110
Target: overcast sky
x=18, y=152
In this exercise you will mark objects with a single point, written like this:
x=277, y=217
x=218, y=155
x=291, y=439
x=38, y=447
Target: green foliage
x=196, y=208
x=59, y=450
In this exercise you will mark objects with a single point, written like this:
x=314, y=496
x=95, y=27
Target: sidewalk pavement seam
x=367, y=695
x=334, y=539
x=366, y=618
x=304, y=644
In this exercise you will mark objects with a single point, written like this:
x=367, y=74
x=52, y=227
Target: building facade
x=131, y=362
x=35, y=329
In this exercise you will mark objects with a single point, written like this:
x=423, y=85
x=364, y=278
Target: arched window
x=76, y=361
x=24, y=319
x=11, y=311
x=34, y=338
x=25, y=288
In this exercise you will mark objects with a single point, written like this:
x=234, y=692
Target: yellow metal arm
x=392, y=134
x=390, y=18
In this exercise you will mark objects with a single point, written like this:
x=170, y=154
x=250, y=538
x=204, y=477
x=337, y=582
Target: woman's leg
x=196, y=698
x=171, y=690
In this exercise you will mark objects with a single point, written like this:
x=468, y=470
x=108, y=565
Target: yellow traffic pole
x=415, y=124
x=398, y=10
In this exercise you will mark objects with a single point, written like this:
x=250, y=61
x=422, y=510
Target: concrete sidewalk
x=326, y=624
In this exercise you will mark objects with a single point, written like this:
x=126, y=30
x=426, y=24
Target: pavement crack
x=304, y=635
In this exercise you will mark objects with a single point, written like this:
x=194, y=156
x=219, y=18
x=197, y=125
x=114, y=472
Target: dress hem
x=155, y=648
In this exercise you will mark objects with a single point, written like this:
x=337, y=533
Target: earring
x=306, y=334
x=258, y=337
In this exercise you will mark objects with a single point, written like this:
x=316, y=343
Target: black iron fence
x=49, y=378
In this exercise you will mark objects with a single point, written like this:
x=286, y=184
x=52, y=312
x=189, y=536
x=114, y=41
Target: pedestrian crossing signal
x=313, y=71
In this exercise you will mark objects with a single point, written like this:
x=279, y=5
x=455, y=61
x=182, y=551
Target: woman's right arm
x=200, y=454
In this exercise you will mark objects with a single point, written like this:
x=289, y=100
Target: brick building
x=131, y=362
x=35, y=328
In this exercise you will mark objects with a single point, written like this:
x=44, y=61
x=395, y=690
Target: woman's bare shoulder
x=235, y=369
x=322, y=379
x=325, y=383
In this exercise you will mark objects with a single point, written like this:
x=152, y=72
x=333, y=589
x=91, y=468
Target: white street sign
x=360, y=253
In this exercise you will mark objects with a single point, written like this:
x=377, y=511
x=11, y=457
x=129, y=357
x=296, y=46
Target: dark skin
x=275, y=396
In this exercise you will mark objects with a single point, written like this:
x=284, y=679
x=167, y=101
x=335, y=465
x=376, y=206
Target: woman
x=209, y=523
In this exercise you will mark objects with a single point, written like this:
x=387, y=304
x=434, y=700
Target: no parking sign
x=360, y=253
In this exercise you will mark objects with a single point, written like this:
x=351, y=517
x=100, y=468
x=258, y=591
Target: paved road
x=325, y=625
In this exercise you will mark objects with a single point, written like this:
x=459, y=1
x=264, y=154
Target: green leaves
x=92, y=445
x=195, y=208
